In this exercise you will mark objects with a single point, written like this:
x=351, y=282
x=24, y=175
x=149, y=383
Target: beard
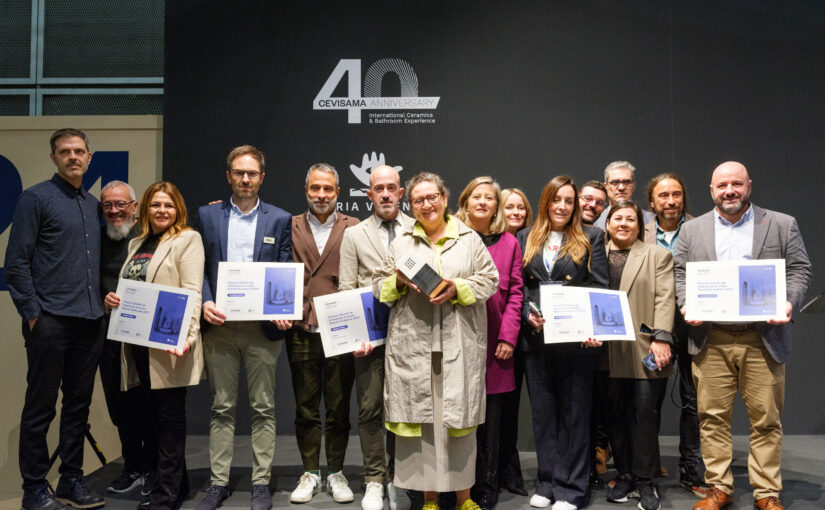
x=120, y=233
x=733, y=209
x=318, y=208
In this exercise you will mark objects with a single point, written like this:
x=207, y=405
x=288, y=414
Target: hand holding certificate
x=349, y=318
x=152, y=315
x=735, y=291
x=576, y=314
x=249, y=291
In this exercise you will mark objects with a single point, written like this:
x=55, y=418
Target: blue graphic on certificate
x=349, y=318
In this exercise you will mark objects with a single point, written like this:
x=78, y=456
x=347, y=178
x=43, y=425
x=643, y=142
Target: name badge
x=269, y=240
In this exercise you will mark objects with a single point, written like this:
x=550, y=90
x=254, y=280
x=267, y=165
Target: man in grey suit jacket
x=363, y=249
x=749, y=357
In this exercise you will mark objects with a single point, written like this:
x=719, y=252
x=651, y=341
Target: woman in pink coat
x=482, y=209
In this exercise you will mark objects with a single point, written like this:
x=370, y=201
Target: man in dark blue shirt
x=52, y=270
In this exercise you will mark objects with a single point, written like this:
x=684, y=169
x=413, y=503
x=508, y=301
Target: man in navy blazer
x=243, y=229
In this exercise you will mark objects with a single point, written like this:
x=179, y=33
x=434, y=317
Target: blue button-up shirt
x=734, y=241
x=661, y=236
x=240, y=239
x=53, y=255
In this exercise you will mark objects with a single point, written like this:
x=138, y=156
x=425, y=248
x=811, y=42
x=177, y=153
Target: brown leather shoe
x=602, y=456
x=769, y=503
x=715, y=500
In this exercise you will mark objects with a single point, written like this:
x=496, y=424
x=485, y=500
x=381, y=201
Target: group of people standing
x=438, y=404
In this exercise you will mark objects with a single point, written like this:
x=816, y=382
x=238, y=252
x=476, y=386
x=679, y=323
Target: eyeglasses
x=598, y=202
x=432, y=199
x=119, y=205
x=617, y=182
x=253, y=175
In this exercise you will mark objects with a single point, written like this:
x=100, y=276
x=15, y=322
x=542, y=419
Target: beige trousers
x=731, y=362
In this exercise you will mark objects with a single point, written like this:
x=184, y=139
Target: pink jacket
x=504, y=312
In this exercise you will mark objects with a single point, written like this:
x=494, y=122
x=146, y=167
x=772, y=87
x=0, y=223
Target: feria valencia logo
x=371, y=98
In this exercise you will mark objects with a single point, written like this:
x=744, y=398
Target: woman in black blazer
x=560, y=376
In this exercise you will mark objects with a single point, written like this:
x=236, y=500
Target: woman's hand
x=401, y=280
x=536, y=321
x=592, y=342
x=180, y=352
x=282, y=324
x=504, y=350
x=661, y=352
x=111, y=300
x=445, y=295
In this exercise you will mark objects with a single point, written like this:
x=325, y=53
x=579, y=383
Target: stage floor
x=803, y=471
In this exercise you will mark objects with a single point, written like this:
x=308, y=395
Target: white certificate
x=250, y=291
x=151, y=315
x=574, y=314
x=735, y=290
x=350, y=317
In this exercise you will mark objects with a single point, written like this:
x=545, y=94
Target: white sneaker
x=564, y=505
x=338, y=486
x=373, y=497
x=308, y=486
x=539, y=501
x=392, y=497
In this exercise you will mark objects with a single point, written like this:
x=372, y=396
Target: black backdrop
x=527, y=90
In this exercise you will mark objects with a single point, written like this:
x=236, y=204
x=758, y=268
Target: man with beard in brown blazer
x=316, y=242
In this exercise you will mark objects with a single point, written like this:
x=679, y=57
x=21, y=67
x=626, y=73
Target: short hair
x=619, y=164
x=661, y=177
x=595, y=185
x=180, y=209
x=246, y=150
x=420, y=177
x=322, y=167
x=498, y=223
x=115, y=184
x=623, y=204
x=505, y=194
x=66, y=132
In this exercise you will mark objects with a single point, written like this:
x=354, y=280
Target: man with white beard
x=316, y=242
x=139, y=451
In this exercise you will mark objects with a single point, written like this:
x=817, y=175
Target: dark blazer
x=565, y=271
x=273, y=243
x=775, y=236
x=320, y=269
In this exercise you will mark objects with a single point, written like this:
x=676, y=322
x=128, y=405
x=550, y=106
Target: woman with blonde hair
x=517, y=210
x=480, y=207
x=558, y=249
x=436, y=348
x=167, y=252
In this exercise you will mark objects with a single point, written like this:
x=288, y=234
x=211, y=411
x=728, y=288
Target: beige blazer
x=177, y=262
x=363, y=251
x=648, y=280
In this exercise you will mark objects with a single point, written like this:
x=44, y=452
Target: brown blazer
x=648, y=280
x=177, y=262
x=320, y=269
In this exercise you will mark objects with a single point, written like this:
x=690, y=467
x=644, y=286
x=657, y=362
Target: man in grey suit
x=363, y=249
x=749, y=357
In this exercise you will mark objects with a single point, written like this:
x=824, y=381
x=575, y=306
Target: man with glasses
x=593, y=200
x=620, y=181
x=242, y=229
x=52, y=271
x=363, y=249
x=127, y=410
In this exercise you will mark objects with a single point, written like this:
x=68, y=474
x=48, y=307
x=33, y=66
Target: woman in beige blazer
x=645, y=273
x=169, y=253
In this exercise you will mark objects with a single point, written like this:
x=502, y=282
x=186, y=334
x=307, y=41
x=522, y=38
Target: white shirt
x=240, y=238
x=733, y=241
x=382, y=231
x=551, y=249
x=321, y=231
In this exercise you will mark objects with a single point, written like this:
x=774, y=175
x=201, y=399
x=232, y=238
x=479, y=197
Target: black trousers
x=488, y=438
x=62, y=354
x=129, y=412
x=690, y=453
x=509, y=464
x=601, y=410
x=634, y=425
x=167, y=408
x=560, y=382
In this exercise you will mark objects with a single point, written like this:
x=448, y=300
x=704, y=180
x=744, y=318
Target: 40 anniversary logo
x=371, y=99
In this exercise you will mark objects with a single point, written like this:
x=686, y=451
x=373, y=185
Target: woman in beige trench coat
x=434, y=390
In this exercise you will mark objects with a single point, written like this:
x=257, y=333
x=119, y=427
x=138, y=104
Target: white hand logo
x=368, y=162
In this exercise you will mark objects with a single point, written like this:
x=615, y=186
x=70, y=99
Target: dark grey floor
x=803, y=470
